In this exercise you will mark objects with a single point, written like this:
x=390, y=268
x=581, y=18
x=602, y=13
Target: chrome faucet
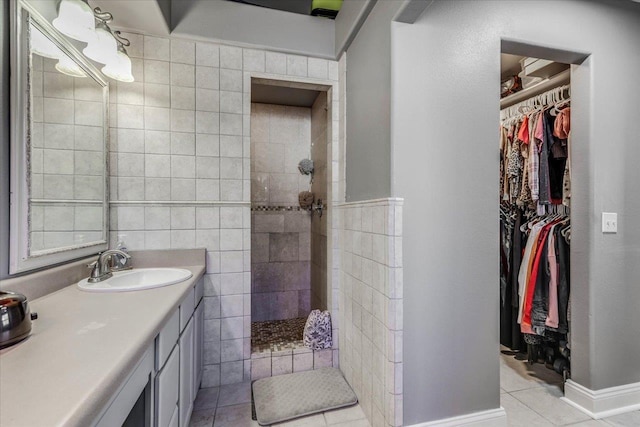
x=101, y=268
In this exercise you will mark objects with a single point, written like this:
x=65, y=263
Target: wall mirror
x=59, y=107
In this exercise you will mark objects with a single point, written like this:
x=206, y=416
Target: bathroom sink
x=137, y=279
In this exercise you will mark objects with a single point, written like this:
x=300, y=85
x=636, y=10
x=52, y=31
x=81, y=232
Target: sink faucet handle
x=95, y=269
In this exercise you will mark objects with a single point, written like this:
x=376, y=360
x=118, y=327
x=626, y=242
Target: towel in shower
x=317, y=330
x=305, y=199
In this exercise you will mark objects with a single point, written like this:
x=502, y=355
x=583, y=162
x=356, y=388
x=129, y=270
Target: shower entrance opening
x=290, y=188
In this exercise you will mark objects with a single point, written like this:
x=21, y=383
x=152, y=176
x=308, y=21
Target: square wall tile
x=157, y=48
x=183, y=75
x=297, y=65
x=207, y=78
x=231, y=57
x=207, y=54
x=260, y=368
x=157, y=72
x=281, y=365
x=183, y=51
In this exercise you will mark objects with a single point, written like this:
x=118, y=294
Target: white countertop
x=81, y=348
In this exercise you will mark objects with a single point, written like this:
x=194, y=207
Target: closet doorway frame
x=581, y=196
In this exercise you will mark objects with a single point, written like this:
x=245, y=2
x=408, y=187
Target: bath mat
x=285, y=397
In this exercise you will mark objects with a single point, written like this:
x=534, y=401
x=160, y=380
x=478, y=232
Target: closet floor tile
x=520, y=415
x=590, y=423
x=546, y=402
x=518, y=375
x=630, y=419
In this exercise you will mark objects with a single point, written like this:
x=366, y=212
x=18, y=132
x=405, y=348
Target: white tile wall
x=371, y=298
x=180, y=140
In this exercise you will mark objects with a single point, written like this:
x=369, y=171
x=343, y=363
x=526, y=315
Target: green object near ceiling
x=328, y=8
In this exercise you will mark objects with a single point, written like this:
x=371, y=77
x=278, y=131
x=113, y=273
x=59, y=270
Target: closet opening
x=535, y=226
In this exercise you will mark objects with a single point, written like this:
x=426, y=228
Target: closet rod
x=514, y=110
x=550, y=83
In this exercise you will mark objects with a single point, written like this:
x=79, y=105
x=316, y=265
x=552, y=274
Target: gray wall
x=368, y=165
x=242, y=23
x=352, y=15
x=445, y=80
x=4, y=140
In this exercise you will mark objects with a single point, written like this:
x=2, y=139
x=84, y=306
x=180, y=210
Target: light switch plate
x=609, y=222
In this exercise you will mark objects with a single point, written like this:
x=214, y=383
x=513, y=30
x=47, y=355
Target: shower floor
x=277, y=335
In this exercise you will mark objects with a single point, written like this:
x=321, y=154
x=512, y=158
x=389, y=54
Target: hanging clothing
x=535, y=180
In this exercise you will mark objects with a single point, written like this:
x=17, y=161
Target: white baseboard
x=490, y=418
x=602, y=403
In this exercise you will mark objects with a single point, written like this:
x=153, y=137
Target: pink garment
x=523, y=133
x=534, y=160
x=552, y=314
x=562, y=124
x=539, y=129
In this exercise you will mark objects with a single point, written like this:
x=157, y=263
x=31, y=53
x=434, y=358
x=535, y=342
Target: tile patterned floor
x=277, y=335
x=230, y=406
x=529, y=394
x=531, y=397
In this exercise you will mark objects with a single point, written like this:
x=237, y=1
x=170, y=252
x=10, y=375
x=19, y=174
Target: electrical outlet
x=609, y=222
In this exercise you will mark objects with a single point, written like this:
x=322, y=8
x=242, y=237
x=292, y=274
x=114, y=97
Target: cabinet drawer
x=186, y=309
x=199, y=291
x=166, y=339
x=167, y=389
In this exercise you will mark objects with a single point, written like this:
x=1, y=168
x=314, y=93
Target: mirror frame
x=20, y=258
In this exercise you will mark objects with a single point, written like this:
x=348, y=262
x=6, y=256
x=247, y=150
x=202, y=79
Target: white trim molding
x=490, y=418
x=603, y=403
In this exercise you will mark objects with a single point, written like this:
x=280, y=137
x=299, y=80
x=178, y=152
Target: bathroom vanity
x=110, y=359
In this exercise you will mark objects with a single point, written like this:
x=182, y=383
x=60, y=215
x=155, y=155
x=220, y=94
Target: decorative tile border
x=263, y=208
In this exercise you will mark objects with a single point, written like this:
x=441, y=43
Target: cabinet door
x=198, y=347
x=167, y=389
x=186, y=374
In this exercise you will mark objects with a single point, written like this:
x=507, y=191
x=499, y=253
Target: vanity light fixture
x=104, y=46
x=67, y=66
x=42, y=46
x=119, y=66
x=76, y=20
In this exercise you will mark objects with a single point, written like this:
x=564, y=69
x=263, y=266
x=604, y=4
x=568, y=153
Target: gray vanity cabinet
x=178, y=379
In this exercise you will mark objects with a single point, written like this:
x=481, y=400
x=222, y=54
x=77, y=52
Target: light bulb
x=75, y=19
x=67, y=66
x=41, y=45
x=103, y=47
x=119, y=66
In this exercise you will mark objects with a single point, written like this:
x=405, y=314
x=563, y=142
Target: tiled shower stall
x=289, y=244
